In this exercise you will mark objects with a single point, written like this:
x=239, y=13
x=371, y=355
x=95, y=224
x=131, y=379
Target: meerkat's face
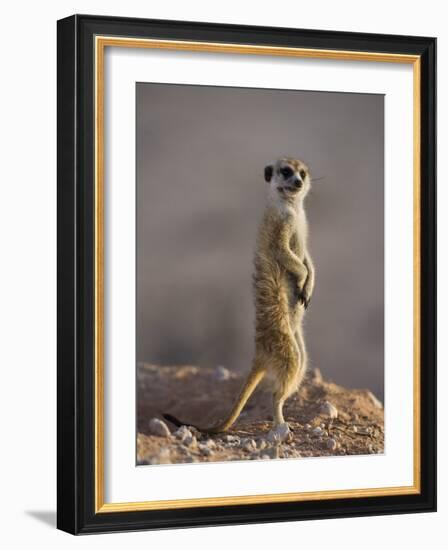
x=288, y=178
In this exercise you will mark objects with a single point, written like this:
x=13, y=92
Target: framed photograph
x=246, y=274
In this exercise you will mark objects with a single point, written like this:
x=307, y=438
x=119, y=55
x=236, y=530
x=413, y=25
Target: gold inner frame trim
x=101, y=42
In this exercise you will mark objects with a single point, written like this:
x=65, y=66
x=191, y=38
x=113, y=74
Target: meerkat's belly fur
x=278, y=330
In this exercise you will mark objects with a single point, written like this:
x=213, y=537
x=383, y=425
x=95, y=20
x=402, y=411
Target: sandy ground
x=325, y=419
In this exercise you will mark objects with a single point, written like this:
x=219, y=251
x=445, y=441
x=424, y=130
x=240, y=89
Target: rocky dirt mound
x=326, y=419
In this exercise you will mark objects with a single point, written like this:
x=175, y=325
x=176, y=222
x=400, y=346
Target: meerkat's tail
x=254, y=378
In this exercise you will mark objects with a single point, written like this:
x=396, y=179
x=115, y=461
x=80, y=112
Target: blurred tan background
x=200, y=194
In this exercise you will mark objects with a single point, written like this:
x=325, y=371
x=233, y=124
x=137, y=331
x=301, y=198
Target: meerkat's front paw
x=303, y=297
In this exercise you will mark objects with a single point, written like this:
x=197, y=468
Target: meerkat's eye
x=302, y=173
x=286, y=172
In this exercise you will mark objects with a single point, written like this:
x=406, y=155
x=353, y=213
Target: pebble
x=328, y=409
x=205, y=450
x=265, y=457
x=273, y=452
x=261, y=444
x=231, y=439
x=317, y=431
x=295, y=454
x=190, y=441
x=183, y=433
x=189, y=459
x=331, y=444
x=248, y=445
x=363, y=431
x=307, y=427
x=221, y=373
x=164, y=456
x=159, y=428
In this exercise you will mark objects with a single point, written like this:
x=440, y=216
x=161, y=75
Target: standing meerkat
x=283, y=286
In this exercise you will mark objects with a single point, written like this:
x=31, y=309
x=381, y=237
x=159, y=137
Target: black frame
x=75, y=403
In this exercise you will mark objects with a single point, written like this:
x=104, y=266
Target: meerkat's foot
x=279, y=433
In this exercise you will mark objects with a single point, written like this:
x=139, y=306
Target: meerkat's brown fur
x=283, y=285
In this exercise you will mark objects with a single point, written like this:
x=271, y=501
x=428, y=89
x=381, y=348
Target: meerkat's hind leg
x=278, y=402
x=288, y=378
x=280, y=430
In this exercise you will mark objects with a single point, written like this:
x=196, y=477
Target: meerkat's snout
x=297, y=182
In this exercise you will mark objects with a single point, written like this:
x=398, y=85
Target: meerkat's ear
x=268, y=171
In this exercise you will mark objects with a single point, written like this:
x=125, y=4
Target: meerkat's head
x=289, y=179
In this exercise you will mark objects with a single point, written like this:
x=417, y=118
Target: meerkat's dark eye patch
x=286, y=172
x=302, y=173
x=268, y=171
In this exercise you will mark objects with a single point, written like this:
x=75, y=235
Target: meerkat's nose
x=298, y=183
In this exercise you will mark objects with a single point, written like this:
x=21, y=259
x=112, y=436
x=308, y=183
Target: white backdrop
x=123, y=481
x=28, y=274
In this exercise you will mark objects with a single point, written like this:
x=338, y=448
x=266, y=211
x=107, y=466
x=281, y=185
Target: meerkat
x=283, y=282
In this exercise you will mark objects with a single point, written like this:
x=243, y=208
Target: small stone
x=355, y=429
x=371, y=449
x=307, y=427
x=164, y=456
x=231, y=438
x=194, y=431
x=248, y=445
x=317, y=431
x=364, y=431
x=210, y=444
x=159, y=428
x=374, y=400
x=189, y=459
x=261, y=444
x=190, y=441
x=205, y=450
x=221, y=373
x=331, y=444
x=182, y=433
x=273, y=452
x=328, y=409
x=265, y=457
